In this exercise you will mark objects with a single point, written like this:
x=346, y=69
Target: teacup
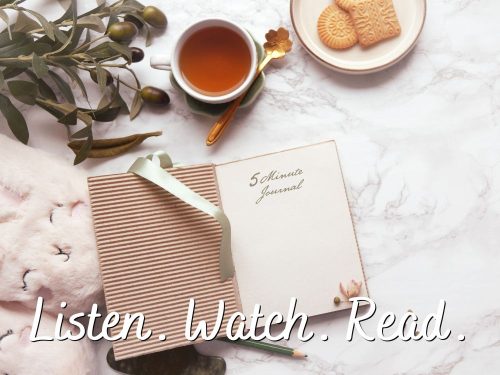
x=214, y=61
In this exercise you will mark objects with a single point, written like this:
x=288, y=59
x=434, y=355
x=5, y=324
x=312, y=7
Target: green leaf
x=92, y=22
x=149, y=36
x=104, y=102
x=101, y=77
x=75, y=40
x=65, y=109
x=19, y=45
x=47, y=27
x=15, y=119
x=116, y=101
x=100, y=8
x=85, y=118
x=16, y=38
x=102, y=51
x=53, y=111
x=123, y=105
x=44, y=89
x=105, y=114
x=41, y=48
x=25, y=24
x=136, y=106
x=133, y=4
x=69, y=118
x=64, y=112
x=24, y=91
x=60, y=35
x=82, y=133
x=5, y=17
x=11, y=72
x=122, y=50
x=5, y=2
x=14, y=51
x=82, y=154
x=85, y=42
x=57, y=109
x=68, y=14
x=72, y=30
x=39, y=66
x=108, y=108
x=63, y=86
x=46, y=40
x=73, y=74
x=112, y=19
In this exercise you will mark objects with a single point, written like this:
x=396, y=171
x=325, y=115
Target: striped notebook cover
x=156, y=252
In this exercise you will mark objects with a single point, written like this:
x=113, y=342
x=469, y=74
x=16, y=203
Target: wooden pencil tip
x=298, y=354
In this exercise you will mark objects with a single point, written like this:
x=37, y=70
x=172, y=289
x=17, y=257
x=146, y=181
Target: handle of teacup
x=161, y=62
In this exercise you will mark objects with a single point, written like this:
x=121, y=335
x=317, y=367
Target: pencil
x=273, y=348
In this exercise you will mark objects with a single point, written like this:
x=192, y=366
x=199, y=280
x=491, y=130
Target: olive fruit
x=134, y=20
x=154, y=16
x=122, y=31
x=154, y=95
x=137, y=54
x=109, y=77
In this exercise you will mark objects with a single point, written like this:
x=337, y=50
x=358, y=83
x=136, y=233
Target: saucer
x=206, y=109
x=358, y=60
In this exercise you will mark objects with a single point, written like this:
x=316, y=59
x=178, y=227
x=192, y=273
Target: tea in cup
x=214, y=61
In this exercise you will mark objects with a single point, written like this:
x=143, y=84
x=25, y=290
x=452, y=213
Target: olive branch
x=38, y=56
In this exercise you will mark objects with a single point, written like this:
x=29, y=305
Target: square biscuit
x=374, y=20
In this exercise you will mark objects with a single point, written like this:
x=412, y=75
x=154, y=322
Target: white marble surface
x=419, y=145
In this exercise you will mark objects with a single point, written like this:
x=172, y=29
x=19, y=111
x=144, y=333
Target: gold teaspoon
x=277, y=46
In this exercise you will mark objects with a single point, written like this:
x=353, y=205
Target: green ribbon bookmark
x=147, y=168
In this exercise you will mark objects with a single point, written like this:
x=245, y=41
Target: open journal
x=292, y=236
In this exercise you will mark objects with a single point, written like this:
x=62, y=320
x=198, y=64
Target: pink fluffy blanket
x=47, y=248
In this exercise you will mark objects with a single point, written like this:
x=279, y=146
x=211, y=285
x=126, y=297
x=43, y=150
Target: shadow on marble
x=365, y=81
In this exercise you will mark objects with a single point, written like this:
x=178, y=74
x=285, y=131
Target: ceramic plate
x=205, y=109
x=358, y=60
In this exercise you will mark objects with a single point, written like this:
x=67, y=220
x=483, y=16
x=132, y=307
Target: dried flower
x=353, y=289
